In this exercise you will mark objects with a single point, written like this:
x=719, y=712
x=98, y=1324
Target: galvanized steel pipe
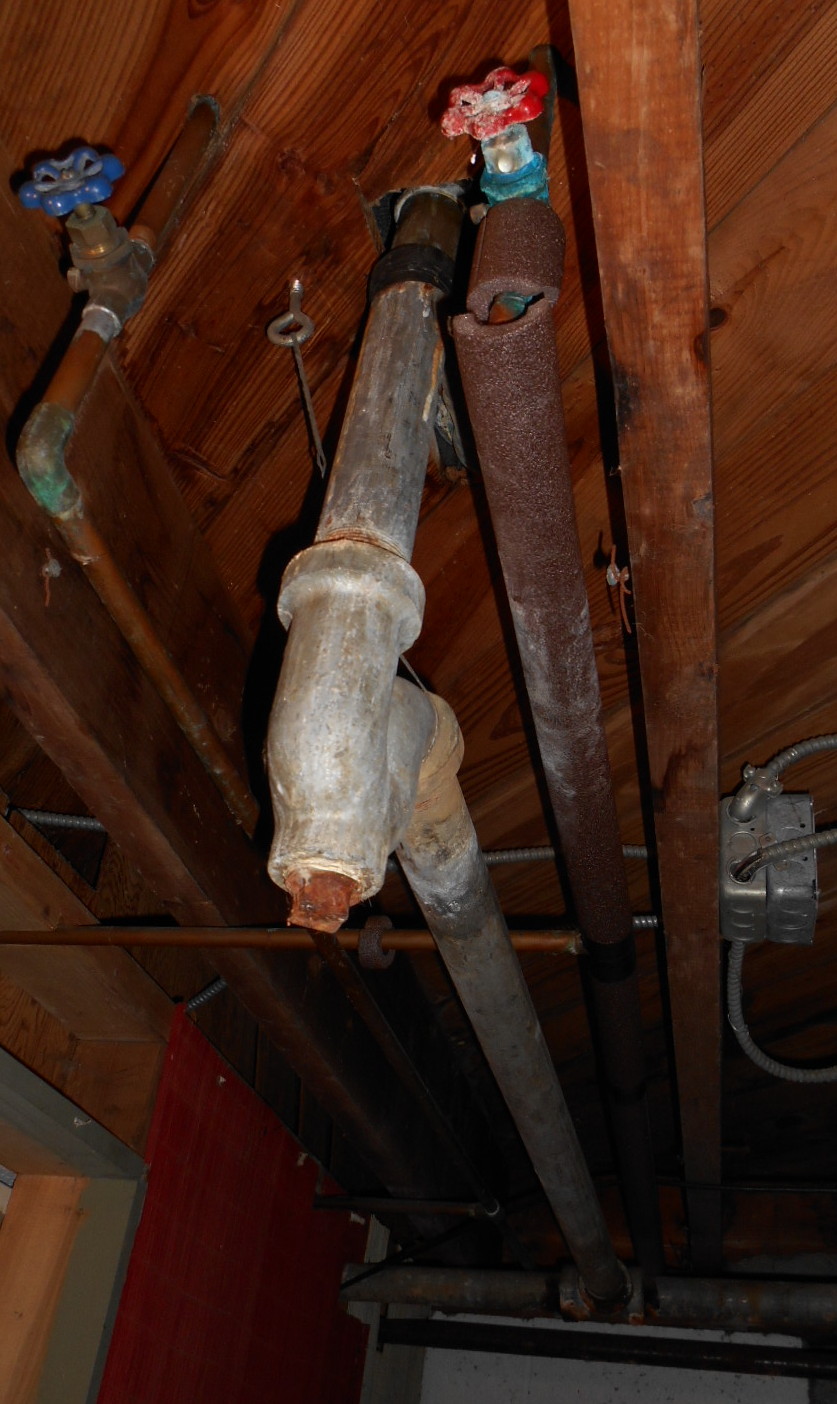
x=445, y=868
x=512, y=385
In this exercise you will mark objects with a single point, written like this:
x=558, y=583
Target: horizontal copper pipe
x=277, y=938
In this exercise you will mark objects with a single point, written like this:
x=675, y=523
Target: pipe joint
x=579, y=1304
x=40, y=460
x=111, y=267
x=345, y=740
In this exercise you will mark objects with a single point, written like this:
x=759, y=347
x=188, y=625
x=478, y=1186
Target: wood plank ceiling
x=195, y=451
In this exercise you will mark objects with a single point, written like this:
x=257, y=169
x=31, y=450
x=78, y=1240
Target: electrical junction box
x=779, y=903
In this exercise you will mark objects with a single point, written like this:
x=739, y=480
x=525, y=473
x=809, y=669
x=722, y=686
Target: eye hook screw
x=294, y=327
x=618, y=579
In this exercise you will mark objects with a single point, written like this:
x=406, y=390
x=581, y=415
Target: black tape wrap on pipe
x=412, y=263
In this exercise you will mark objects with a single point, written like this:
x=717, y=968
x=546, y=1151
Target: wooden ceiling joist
x=639, y=78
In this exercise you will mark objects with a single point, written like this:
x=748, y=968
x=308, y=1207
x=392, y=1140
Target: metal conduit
x=513, y=389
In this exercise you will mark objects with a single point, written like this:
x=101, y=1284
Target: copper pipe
x=275, y=938
x=42, y=464
x=76, y=372
x=179, y=171
x=89, y=548
x=78, y=367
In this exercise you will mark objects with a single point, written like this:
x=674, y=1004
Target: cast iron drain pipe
x=797, y=1307
x=510, y=376
x=347, y=738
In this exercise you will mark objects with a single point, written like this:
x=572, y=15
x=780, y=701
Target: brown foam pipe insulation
x=513, y=390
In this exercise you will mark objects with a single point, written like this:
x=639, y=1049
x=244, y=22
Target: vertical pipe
x=353, y=595
x=512, y=385
x=445, y=868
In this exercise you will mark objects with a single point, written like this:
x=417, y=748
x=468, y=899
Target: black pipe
x=512, y=386
x=611, y=1348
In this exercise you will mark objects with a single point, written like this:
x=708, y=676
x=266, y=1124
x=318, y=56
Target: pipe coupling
x=345, y=739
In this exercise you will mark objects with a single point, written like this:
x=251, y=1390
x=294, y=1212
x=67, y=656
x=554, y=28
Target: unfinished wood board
x=770, y=268
x=129, y=492
x=35, y=1245
x=774, y=114
x=639, y=82
x=96, y=994
x=124, y=77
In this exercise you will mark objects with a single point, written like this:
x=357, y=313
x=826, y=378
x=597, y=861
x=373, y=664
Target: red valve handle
x=485, y=109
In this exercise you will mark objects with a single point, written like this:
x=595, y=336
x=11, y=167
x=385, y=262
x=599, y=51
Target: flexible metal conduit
x=513, y=389
x=746, y=1042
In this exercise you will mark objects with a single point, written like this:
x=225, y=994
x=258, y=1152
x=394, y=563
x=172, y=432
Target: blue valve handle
x=84, y=178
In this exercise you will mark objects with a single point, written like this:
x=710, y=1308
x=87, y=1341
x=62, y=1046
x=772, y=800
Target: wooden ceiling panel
x=771, y=270
x=771, y=116
x=775, y=494
x=779, y=668
x=742, y=46
x=122, y=75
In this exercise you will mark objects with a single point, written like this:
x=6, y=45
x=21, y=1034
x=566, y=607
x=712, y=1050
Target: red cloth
x=231, y=1293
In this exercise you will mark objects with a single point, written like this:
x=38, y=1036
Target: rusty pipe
x=41, y=459
x=442, y=861
x=273, y=938
x=730, y=1304
x=512, y=385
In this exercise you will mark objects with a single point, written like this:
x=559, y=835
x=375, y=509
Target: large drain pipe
x=510, y=375
x=346, y=739
x=731, y=1304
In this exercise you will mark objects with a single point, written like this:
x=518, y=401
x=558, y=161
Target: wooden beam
x=42, y=1133
x=639, y=81
x=95, y=997
x=35, y=1246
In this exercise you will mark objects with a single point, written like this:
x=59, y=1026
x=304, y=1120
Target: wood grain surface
x=196, y=453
